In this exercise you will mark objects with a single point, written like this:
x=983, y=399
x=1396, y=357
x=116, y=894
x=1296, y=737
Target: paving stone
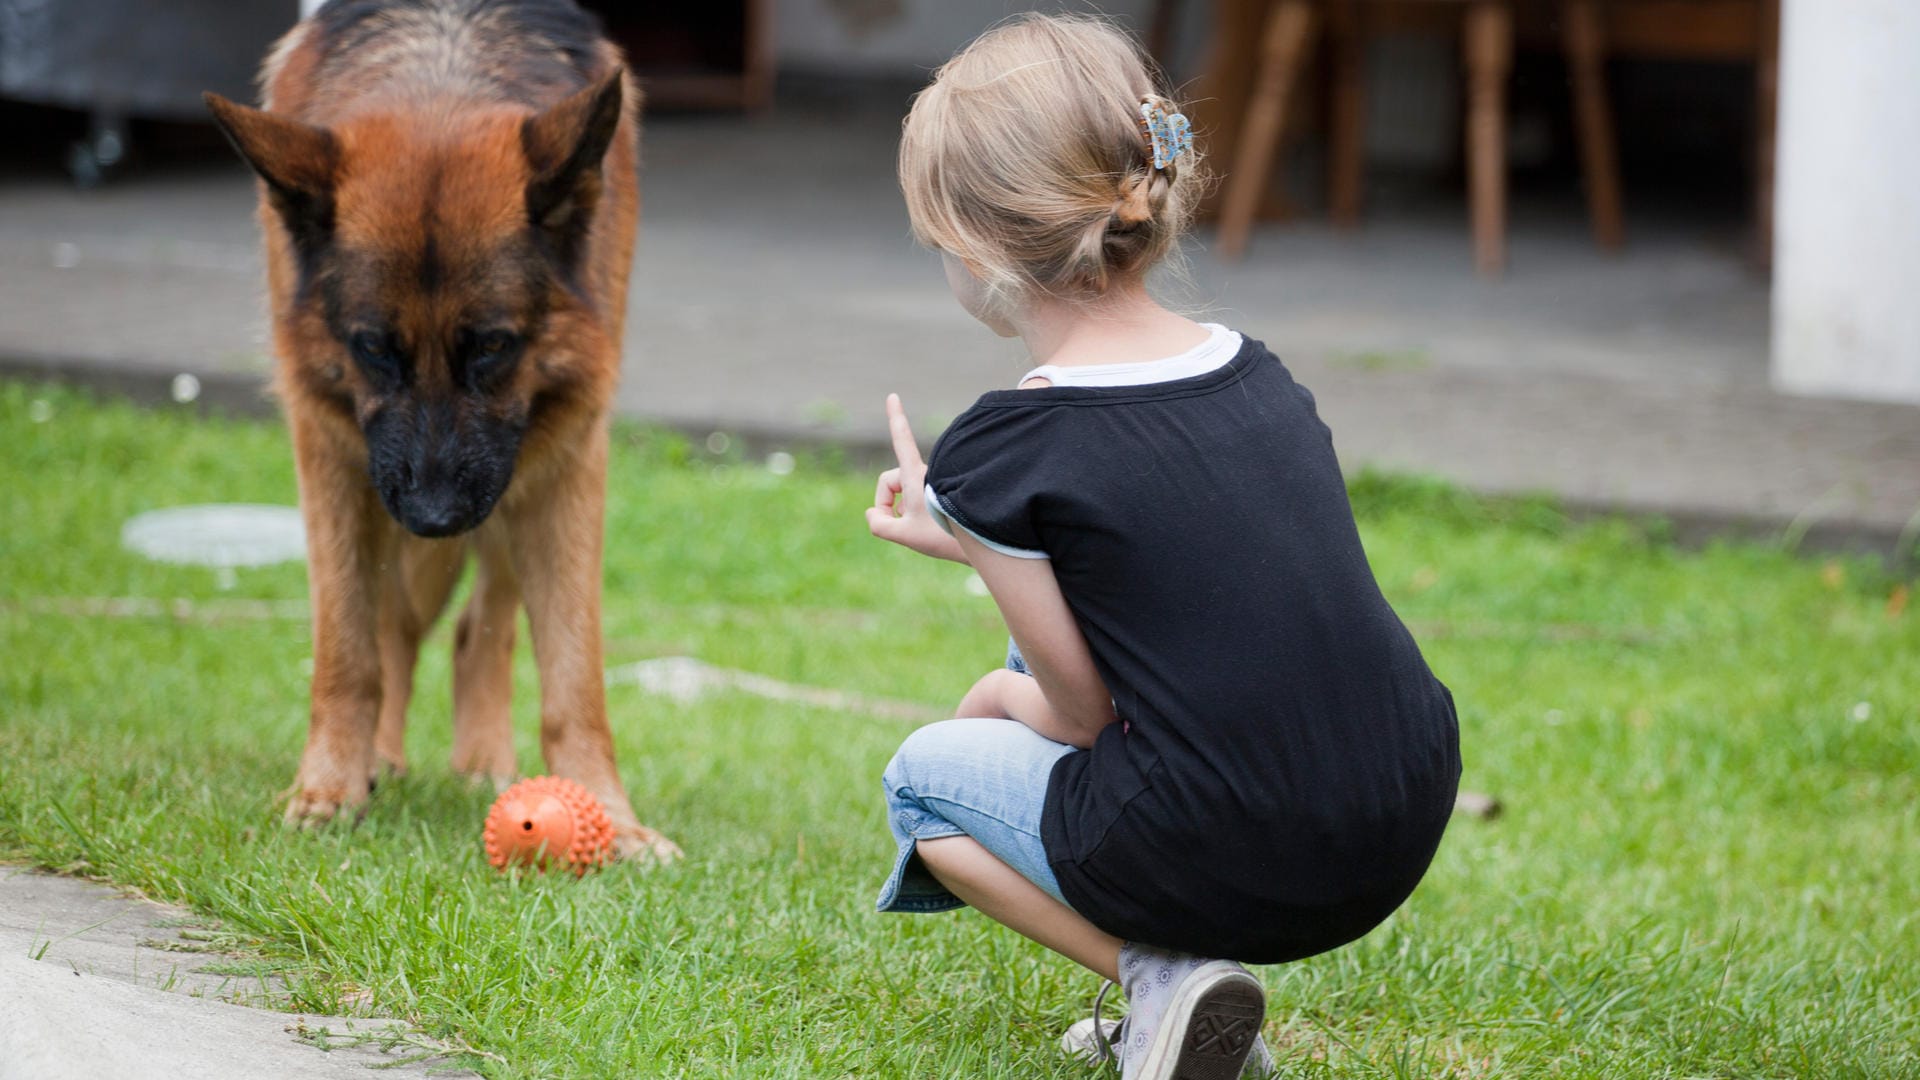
x=99, y=985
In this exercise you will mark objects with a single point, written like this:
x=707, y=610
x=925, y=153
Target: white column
x=1846, y=289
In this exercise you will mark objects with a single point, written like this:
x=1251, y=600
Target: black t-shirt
x=1287, y=762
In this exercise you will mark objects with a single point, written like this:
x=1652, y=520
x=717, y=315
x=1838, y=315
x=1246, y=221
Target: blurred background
x=1652, y=255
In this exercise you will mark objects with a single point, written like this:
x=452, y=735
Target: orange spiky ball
x=545, y=822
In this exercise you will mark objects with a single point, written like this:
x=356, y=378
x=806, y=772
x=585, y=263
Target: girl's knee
x=923, y=767
x=894, y=777
x=918, y=756
x=943, y=750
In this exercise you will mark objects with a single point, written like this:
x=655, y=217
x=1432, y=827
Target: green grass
x=1709, y=761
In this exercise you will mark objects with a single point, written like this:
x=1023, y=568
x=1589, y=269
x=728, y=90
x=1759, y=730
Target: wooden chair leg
x=1347, y=130
x=1489, y=58
x=1218, y=104
x=1586, y=60
x=1160, y=29
x=1282, y=48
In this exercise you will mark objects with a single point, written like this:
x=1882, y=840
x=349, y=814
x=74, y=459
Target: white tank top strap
x=1221, y=346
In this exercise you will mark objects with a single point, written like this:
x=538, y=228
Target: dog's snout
x=437, y=516
x=438, y=498
x=439, y=474
x=427, y=472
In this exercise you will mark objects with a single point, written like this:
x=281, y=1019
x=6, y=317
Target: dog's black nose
x=434, y=515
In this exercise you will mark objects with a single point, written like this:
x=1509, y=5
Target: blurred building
x=1825, y=207
x=1845, y=243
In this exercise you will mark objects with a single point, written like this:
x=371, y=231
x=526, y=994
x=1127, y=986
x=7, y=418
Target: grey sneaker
x=1093, y=1040
x=1259, y=1064
x=1096, y=1040
x=1207, y=1030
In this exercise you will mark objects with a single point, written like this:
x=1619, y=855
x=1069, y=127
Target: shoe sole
x=1209, y=1027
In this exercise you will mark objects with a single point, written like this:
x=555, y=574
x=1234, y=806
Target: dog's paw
x=388, y=765
x=481, y=778
x=495, y=766
x=644, y=847
x=312, y=807
x=384, y=770
x=310, y=810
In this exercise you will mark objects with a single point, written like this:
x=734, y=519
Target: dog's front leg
x=483, y=663
x=346, y=530
x=557, y=539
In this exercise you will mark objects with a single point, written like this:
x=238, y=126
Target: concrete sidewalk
x=103, y=986
x=778, y=295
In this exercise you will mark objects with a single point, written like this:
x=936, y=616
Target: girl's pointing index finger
x=904, y=448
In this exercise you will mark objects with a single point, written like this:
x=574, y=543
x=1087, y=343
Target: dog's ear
x=296, y=160
x=564, y=146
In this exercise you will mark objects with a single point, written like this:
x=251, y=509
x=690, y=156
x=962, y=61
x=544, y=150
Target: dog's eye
x=372, y=351
x=494, y=343
x=491, y=352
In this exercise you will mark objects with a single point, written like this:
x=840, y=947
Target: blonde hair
x=1026, y=159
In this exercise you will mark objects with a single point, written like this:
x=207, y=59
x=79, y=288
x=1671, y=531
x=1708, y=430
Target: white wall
x=1846, y=290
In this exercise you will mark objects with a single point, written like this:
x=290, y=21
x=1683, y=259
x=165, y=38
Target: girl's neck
x=1125, y=326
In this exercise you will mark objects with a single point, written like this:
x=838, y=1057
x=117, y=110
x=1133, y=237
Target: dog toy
x=545, y=822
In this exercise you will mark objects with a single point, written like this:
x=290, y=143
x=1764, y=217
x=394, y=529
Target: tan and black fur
x=449, y=197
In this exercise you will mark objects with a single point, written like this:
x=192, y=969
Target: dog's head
x=439, y=290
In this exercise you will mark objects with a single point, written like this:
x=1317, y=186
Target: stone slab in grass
x=99, y=984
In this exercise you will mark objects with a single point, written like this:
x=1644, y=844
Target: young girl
x=1213, y=738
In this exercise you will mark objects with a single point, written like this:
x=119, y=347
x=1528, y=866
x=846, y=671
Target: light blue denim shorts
x=984, y=778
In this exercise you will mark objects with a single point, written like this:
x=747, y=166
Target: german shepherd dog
x=449, y=196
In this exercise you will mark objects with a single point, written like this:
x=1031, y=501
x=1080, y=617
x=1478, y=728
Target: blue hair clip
x=1169, y=133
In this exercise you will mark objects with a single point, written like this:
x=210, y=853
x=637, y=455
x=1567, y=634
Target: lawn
x=1708, y=864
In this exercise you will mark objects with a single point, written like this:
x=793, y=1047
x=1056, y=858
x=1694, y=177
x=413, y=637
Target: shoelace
x=1107, y=1052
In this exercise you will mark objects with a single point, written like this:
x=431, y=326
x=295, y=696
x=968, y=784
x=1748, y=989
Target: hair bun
x=1135, y=206
x=1067, y=200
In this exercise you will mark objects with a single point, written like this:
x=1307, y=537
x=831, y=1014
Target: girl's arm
x=1065, y=699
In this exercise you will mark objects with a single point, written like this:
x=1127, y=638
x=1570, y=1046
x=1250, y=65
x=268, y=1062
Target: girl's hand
x=899, y=510
x=988, y=697
x=1009, y=695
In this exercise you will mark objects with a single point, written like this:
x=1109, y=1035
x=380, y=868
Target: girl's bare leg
x=997, y=890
